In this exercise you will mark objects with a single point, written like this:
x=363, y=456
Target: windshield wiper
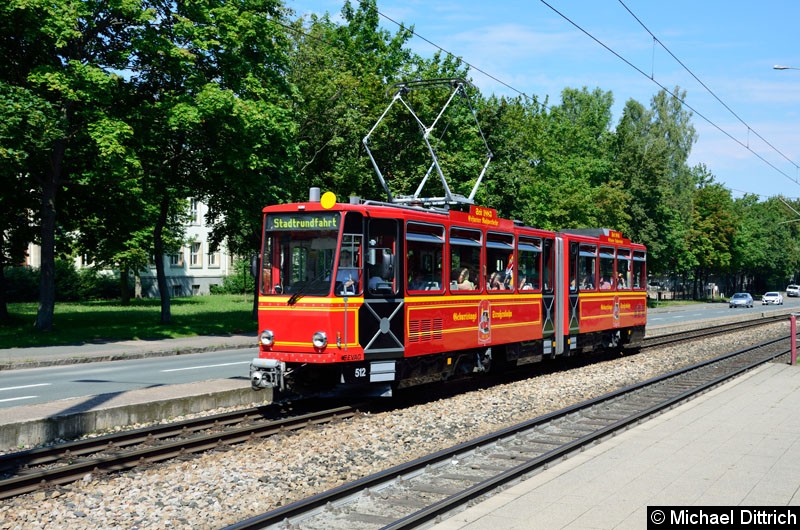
x=302, y=291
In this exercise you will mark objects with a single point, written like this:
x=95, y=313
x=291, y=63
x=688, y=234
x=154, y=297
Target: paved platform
x=30, y=425
x=737, y=445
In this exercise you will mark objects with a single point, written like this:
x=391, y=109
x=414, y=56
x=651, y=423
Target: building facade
x=192, y=270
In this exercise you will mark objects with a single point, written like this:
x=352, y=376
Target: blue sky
x=747, y=115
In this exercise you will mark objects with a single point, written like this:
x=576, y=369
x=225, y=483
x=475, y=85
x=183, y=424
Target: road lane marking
x=24, y=386
x=204, y=366
x=17, y=398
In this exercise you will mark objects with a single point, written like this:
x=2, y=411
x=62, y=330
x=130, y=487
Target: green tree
x=561, y=159
x=208, y=105
x=66, y=56
x=515, y=132
x=710, y=237
x=651, y=147
x=764, y=248
x=341, y=73
x=23, y=130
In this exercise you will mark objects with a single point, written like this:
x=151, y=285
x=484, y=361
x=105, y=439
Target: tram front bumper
x=267, y=373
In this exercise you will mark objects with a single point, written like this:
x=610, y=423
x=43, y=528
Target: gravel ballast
x=223, y=487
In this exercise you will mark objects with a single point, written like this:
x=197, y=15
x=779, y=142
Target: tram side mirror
x=254, y=265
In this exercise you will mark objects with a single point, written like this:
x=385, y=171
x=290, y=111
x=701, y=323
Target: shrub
x=22, y=284
x=68, y=282
x=97, y=285
x=239, y=282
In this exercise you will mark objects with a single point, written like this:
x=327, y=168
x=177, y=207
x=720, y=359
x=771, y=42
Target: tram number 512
x=360, y=373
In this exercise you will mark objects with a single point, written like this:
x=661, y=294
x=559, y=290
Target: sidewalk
x=116, y=350
x=737, y=445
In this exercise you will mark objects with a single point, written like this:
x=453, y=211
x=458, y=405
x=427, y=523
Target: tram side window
x=381, y=252
x=547, y=264
x=529, y=269
x=348, y=272
x=587, y=265
x=606, y=268
x=425, y=244
x=499, y=258
x=465, y=259
x=623, y=268
x=268, y=271
x=639, y=272
x=573, y=267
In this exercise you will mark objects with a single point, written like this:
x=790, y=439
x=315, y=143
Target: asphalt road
x=674, y=315
x=43, y=385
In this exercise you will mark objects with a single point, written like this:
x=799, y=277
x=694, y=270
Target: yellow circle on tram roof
x=328, y=199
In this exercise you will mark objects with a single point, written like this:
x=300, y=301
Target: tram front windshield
x=299, y=254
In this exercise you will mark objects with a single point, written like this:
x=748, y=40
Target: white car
x=772, y=297
x=793, y=290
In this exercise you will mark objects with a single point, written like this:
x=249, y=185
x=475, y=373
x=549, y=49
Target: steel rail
x=28, y=481
x=293, y=513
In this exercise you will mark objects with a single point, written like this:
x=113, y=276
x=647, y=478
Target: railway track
x=439, y=485
x=34, y=469
x=27, y=471
x=710, y=331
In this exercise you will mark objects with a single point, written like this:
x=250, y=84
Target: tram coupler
x=266, y=373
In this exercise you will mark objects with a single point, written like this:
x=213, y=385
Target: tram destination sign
x=615, y=237
x=303, y=221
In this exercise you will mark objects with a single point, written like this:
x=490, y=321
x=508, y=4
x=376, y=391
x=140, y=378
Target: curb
x=78, y=358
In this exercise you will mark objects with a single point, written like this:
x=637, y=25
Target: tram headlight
x=267, y=338
x=320, y=339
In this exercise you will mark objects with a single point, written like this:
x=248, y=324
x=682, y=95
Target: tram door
x=550, y=318
x=573, y=306
x=381, y=319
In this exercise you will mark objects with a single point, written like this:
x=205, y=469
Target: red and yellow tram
x=386, y=295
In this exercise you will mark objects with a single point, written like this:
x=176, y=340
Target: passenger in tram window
x=377, y=283
x=587, y=283
x=495, y=281
x=572, y=286
x=524, y=285
x=620, y=281
x=605, y=284
x=417, y=282
x=347, y=275
x=463, y=280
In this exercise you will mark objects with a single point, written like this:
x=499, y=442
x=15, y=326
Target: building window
x=177, y=290
x=176, y=260
x=196, y=257
x=213, y=260
x=194, y=212
x=195, y=290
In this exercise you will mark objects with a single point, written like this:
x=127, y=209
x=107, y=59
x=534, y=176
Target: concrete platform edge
x=77, y=417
